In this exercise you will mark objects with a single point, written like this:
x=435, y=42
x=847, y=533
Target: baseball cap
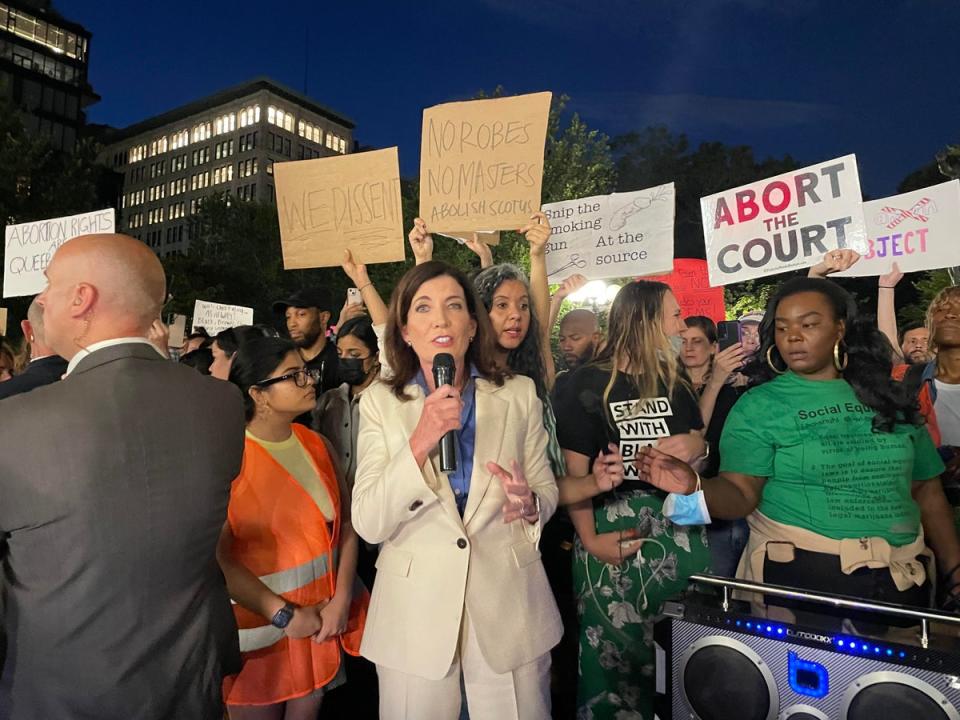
x=307, y=298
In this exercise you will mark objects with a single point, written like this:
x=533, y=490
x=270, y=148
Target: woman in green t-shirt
x=827, y=458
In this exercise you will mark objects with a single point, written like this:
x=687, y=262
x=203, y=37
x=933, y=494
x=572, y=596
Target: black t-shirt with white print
x=585, y=426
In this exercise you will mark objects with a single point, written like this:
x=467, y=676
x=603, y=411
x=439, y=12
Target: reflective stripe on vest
x=282, y=582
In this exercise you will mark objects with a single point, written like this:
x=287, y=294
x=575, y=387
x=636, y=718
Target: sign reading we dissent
x=481, y=163
x=918, y=230
x=29, y=247
x=612, y=236
x=691, y=286
x=327, y=205
x=214, y=317
x=783, y=223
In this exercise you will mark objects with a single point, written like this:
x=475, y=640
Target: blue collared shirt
x=466, y=438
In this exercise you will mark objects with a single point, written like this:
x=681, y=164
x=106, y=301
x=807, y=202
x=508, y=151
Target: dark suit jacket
x=113, y=489
x=38, y=373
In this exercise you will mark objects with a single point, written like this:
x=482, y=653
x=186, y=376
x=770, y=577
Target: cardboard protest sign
x=178, y=331
x=610, y=236
x=690, y=283
x=783, y=223
x=3, y=321
x=918, y=230
x=330, y=204
x=214, y=317
x=489, y=237
x=30, y=246
x=481, y=163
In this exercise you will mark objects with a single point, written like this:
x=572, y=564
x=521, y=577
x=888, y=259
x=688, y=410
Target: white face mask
x=676, y=343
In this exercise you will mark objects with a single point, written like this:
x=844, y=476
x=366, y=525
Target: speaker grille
x=725, y=680
x=895, y=696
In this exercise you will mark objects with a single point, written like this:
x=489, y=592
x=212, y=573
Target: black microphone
x=444, y=370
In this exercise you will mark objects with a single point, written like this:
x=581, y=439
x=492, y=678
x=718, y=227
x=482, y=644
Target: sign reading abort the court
x=29, y=247
x=783, y=223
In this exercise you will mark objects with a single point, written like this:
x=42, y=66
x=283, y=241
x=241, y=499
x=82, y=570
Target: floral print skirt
x=616, y=605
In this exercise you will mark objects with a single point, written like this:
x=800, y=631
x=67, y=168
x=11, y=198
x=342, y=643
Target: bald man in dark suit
x=114, y=485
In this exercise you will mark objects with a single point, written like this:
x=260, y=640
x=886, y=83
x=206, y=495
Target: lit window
x=179, y=139
x=225, y=123
x=136, y=153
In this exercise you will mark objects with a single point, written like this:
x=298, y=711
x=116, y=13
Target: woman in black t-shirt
x=629, y=558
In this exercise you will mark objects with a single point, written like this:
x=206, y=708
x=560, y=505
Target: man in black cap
x=306, y=315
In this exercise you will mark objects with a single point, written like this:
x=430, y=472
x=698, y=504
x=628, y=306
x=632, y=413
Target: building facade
x=43, y=70
x=224, y=144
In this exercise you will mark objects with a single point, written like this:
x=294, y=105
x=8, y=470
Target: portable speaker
x=716, y=664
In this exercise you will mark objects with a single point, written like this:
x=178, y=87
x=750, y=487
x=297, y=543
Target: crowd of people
x=260, y=516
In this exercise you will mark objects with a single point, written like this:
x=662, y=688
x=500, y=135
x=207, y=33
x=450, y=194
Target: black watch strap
x=283, y=616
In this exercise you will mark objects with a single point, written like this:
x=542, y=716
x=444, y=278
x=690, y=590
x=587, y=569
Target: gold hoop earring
x=773, y=367
x=840, y=366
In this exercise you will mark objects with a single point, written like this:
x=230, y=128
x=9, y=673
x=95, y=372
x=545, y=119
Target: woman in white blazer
x=461, y=594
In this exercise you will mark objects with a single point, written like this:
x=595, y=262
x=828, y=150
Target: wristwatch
x=283, y=616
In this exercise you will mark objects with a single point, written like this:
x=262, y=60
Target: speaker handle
x=925, y=616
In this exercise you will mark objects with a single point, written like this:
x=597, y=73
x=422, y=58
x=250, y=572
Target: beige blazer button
x=461, y=543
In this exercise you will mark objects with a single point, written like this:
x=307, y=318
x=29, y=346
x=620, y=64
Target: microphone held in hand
x=444, y=370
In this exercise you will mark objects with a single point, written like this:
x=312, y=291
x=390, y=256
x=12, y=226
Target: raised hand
x=608, y=469
x=833, y=262
x=348, y=311
x=666, y=472
x=520, y=502
x=569, y=285
x=890, y=279
x=421, y=242
x=159, y=335
x=537, y=233
x=357, y=272
x=725, y=363
x=480, y=249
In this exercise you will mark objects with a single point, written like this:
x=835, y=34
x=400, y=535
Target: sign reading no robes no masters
x=612, y=236
x=783, y=223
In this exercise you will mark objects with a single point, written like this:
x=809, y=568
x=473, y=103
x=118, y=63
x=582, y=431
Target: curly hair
x=868, y=351
x=527, y=358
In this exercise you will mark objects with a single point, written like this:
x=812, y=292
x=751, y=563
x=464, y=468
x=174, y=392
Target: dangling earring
x=840, y=366
x=773, y=367
x=470, y=339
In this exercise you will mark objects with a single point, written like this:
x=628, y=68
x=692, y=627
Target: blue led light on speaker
x=806, y=677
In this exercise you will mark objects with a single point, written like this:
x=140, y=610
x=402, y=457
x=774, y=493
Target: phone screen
x=728, y=333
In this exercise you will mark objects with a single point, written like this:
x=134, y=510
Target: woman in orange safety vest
x=287, y=550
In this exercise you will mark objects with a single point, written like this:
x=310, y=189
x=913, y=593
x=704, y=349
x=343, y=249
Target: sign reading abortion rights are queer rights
x=918, y=230
x=783, y=223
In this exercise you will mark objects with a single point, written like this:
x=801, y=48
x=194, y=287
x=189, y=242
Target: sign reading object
x=917, y=230
x=214, y=317
x=691, y=286
x=612, y=236
x=29, y=247
x=783, y=223
x=481, y=163
x=327, y=205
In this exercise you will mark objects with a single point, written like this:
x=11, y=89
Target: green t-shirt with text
x=826, y=469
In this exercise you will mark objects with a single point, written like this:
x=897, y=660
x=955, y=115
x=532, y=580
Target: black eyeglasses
x=301, y=377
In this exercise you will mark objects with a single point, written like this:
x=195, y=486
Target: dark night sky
x=816, y=79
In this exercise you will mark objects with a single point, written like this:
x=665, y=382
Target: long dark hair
x=362, y=329
x=868, y=352
x=255, y=361
x=403, y=359
x=527, y=358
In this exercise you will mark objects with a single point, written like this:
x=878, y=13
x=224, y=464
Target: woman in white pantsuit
x=460, y=592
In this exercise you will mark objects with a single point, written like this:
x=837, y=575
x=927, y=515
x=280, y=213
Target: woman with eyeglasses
x=288, y=549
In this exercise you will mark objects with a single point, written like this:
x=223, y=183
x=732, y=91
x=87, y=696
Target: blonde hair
x=948, y=294
x=636, y=341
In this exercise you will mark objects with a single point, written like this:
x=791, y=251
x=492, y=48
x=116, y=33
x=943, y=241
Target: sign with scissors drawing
x=612, y=236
